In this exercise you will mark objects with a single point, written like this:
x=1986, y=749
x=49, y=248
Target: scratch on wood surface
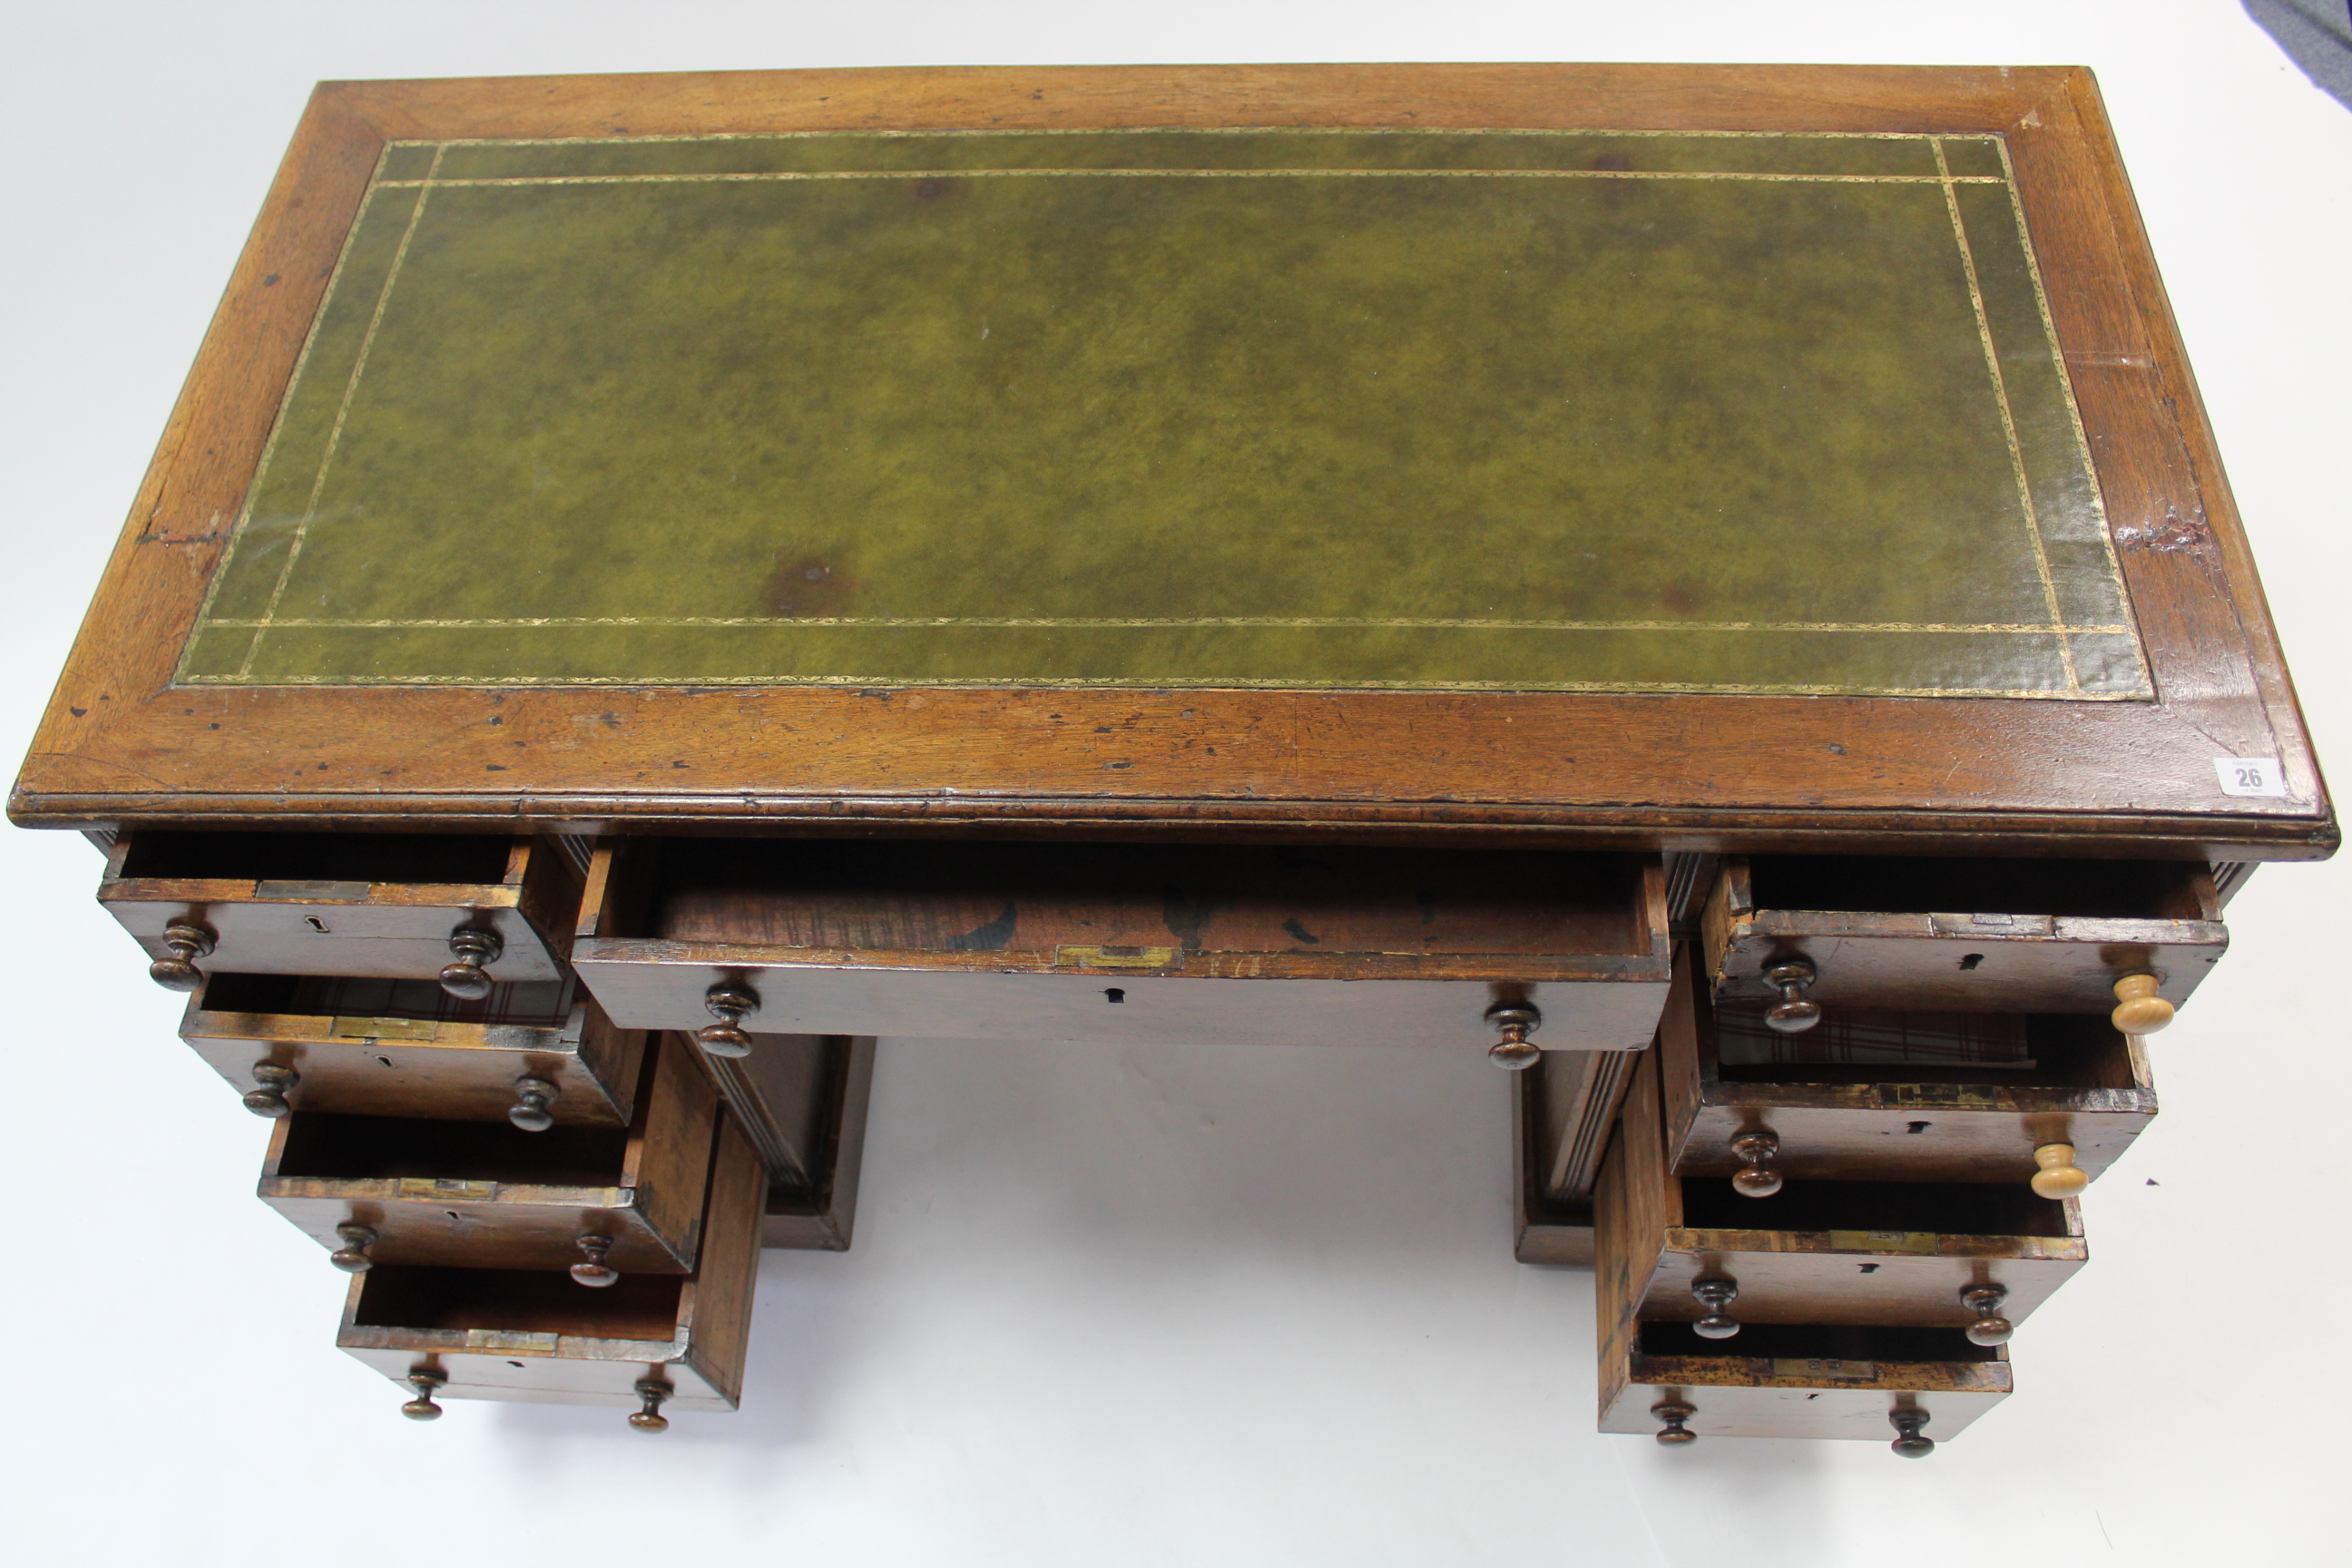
x=2174, y=535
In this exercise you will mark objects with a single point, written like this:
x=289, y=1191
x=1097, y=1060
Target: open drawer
x=538, y=1054
x=1896, y=1097
x=467, y=908
x=1917, y=1254
x=601, y=1201
x=1804, y=933
x=1974, y=1258
x=1911, y=1389
x=648, y=1341
x=1123, y=943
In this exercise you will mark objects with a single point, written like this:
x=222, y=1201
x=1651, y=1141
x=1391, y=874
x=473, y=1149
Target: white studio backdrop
x=1131, y=1307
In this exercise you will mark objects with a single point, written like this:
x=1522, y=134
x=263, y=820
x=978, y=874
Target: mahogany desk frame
x=1679, y=772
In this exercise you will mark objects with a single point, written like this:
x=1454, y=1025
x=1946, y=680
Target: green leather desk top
x=1529, y=410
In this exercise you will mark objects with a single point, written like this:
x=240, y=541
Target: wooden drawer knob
x=2138, y=1009
x=1715, y=1292
x=1990, y=1328
x=1671, y=1414
x=652, y=1391
x=595, y=1272
x=473, y=948
x=352, y=1257
x=427, y=1382
x=532, y=1097
x=189, y=939
x=272, y=1084
x=1755, y=1178
x=1792, y=977
x=2059, y=1176
x=1910, y=1441
x=727, y=1001
x=1517, y=1020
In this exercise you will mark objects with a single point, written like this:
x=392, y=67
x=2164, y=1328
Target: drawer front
x=1960, y=935
x=1884, y=1278
x=1779, y=1397
x=370, y=937
x=382, y=905
x=1836, y=1109
x=1128, y=943
x=1906, y=1132
x=402, y=1077
x=406, y=1067
x=545, y=1369
x=1929, y=963
x=486, y=1195
x=662, y=985
x=478, y=1225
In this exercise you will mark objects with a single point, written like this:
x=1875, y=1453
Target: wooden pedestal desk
x=1710, y=584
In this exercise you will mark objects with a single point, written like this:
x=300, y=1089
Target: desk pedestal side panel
x=801, y=1098
x=1563, y=1110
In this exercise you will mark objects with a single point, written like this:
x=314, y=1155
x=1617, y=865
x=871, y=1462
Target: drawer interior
x=2061, y=1051
x=1814, y=1341
x=2110, y=889
x=1950, y=1208
x=982, y=897
x=416, y=858
x=335, y=1147
x=517, y=1301
x=538, y=1005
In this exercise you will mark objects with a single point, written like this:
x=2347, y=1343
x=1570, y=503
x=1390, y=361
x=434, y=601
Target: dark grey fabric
x=2317, y=34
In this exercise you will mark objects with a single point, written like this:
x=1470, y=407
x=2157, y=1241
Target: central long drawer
x=1128, y=943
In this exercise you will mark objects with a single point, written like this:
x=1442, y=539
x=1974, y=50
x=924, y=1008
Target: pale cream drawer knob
x=2138, y=1009
x=2059, y=1176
